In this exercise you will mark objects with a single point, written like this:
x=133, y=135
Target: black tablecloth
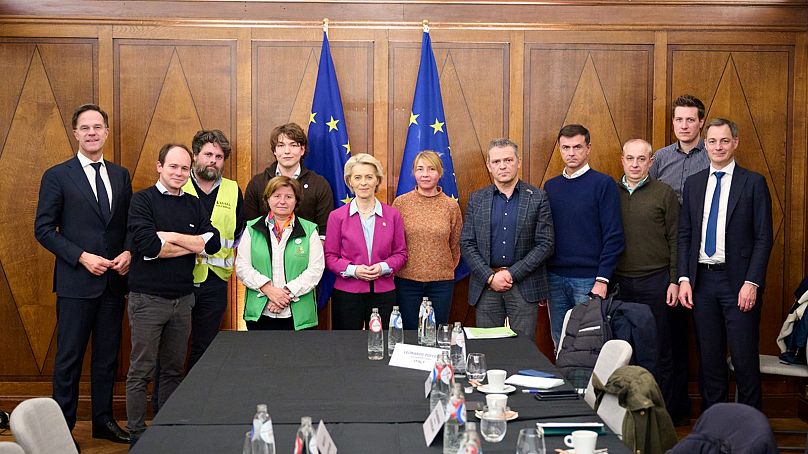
x=356, y=438
x=327, y=375
x=367, y=405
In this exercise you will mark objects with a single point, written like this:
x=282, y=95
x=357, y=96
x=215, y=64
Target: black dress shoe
x=110, y=431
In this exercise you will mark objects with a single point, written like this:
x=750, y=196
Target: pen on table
x=531, y=391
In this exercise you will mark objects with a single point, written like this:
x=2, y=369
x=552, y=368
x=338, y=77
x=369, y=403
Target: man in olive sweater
x=168, y=228
x=646, y=270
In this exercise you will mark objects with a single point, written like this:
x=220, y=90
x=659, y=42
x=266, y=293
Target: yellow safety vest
x=224, y=219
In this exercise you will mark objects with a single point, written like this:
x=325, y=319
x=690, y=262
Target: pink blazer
x=345, y=245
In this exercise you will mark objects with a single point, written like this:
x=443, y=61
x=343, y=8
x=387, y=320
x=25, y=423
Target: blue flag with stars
x=427, y=131
x=329, y=148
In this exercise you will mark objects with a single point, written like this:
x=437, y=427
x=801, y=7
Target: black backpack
x=588, y=328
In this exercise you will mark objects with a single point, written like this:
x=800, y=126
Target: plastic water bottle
x=430, y=329
x=375, y=336
x=262, y=436
x=458, y=349
x=306, y=439
x=470, y=442
x=456, y=418
x=421, y=321
x=440, y=388
x=395, y=334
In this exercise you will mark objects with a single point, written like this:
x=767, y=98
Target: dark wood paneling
x=47, y=80
x=607, y=88
x=165, y=92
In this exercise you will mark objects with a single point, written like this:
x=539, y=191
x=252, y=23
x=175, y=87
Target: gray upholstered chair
x=39, y=427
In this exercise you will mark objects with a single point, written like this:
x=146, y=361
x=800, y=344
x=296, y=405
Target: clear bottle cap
x=395, y=308
x=375, y=310
x=305, y=420
x=261, y=407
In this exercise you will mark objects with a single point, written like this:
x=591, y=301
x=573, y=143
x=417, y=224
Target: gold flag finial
x=425, y=24
x=325, y=25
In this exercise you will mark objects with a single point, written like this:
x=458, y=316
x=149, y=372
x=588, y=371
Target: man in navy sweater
x=588, y=229
x=168, y=228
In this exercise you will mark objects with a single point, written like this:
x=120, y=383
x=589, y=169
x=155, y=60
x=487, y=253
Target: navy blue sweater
x=588, y=228
x=151, y=212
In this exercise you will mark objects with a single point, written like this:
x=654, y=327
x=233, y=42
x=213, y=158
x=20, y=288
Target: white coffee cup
x=496, y=401
x=584, y=441
x=496, y=379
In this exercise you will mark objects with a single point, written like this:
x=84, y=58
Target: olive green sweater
x=650, y=220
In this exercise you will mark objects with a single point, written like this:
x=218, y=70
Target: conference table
x=367, y=406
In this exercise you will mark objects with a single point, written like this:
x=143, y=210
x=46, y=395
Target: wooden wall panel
x=284, y=76
x=751, y=87
x=607, y=88
x=47, y=80
x=165, y=92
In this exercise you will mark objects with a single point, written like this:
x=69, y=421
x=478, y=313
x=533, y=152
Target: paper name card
x=433, y=424
x=414, y=357
x=325, y=445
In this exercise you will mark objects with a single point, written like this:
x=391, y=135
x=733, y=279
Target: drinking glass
x=493, y=425
x=444, y=337
x=530, y=442
x=475, y=367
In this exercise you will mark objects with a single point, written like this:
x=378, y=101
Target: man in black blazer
x=506, y=239
x=81, y=218
x=725, y=237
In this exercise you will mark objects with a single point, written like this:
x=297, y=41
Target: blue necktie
x=101, y=192
x=712, y=219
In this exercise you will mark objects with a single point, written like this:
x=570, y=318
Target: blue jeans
x=409, y=295
x=565, y=293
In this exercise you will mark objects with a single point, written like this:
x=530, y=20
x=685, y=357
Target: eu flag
x=427, y=131
x=329, y=148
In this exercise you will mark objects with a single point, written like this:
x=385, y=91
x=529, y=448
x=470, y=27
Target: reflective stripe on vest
x=224, y=219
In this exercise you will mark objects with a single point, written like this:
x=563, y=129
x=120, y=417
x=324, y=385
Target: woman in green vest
x=280, y=261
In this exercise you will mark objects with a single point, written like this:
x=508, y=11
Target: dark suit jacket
x=534, y=242
x=68, y=222
x=748, y=236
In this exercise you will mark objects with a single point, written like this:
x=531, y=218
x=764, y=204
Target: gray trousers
x=493, y=307
x=160, y=329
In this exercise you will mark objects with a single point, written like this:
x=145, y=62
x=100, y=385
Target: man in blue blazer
x=81, y=218
x=725, y=237
x=506, y=239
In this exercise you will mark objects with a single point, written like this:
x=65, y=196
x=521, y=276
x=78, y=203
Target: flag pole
x=425, y=24
x=325, y=25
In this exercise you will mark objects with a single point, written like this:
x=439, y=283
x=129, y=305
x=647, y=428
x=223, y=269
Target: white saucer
x=510, y=415
x=506, y=390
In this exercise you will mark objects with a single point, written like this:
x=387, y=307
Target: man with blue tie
x=725, y=238
x=81, y=218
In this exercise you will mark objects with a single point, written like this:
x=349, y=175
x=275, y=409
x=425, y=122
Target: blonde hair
x=362, y=158
x=432, y=157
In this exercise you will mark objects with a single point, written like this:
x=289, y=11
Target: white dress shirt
x=89, y=170
x=301, y=285
x=721, y=225
x=575, y=174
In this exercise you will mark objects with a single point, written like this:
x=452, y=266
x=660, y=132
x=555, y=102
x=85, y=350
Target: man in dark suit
x=507, y=237
x=81, y=218
x=725, y=237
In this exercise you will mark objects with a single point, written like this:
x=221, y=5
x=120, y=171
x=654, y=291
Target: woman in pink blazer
x=364, y=247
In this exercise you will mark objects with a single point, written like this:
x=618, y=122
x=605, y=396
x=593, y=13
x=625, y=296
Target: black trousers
x=680, y=322
x=352, y=310
x=721, y=324
x=206, y=317
x=651, y=290
x=77, y=319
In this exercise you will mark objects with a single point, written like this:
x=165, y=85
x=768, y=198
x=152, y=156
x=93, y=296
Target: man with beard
x=223, y=200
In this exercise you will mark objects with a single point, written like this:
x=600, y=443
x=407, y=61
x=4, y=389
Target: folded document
x=534, y=382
